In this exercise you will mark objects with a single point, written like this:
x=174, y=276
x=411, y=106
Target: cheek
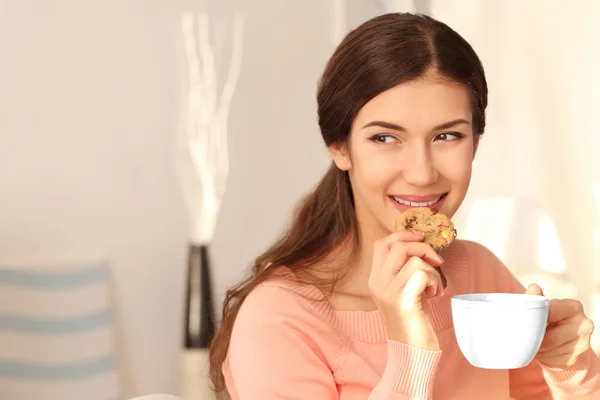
x=457, y=167
x=375, y=169
x=459, y=172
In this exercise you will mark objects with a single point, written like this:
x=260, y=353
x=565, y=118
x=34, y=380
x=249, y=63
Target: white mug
x=499, y=330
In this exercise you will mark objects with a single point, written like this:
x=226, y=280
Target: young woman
x=341, y=307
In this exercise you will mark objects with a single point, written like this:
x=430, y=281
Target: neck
x=359, y=261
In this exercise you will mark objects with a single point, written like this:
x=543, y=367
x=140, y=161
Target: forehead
x=418, y=104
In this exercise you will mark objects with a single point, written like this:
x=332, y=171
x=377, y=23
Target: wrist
x=420, y=343
x=415, y=332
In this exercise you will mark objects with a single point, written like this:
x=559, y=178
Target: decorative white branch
x=339, y=24
x=339, y=13
x=203, y=156
x=390, y=6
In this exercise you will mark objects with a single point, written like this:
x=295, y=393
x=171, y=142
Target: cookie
x=438, y=229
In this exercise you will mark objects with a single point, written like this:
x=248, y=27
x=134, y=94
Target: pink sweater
x=288, y=343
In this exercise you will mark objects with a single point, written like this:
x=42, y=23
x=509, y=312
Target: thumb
x=534, y=289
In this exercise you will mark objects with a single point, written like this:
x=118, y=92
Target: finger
x=572, y=348
x=421, y=282
x=403, y=236
x=432, y=284
x=402, y=251
x=562, y=309
x=382, y=247
x=534, y=289
x=558, y=335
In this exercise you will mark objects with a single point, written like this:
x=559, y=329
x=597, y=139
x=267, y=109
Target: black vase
x=199, y=308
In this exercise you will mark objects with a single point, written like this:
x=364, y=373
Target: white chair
x=57, y=332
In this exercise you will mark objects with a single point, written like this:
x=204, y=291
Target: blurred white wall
x=88, y=115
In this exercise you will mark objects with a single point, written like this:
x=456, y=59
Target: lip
x=404, y=207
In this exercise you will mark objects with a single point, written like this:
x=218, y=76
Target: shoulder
x=280, y=298
x=284, y=306
x=278, y=334
x=283, y=318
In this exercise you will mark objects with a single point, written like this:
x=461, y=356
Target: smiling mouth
x=418, y=203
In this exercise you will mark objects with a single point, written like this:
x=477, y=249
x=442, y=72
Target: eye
x=384, y=139
x=449, y=136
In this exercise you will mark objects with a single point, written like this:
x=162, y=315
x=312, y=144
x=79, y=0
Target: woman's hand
x=403, y=273
x=567, y=335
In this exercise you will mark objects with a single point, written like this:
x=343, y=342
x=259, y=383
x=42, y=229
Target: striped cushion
x=56, y=334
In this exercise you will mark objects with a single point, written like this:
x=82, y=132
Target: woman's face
x=410, y=146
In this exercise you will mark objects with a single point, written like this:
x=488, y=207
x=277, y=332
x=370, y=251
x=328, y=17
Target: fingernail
x=441, y=258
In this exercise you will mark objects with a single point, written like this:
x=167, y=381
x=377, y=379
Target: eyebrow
x=389, y=125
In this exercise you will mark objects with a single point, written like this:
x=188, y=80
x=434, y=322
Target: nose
x=419, y=168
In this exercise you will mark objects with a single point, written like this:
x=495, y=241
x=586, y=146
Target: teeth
x=415, y=204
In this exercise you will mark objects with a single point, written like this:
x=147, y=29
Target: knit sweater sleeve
x=536, y=381
x=280, y=349
x=409, y=373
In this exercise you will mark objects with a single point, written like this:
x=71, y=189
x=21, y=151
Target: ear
x=341, y=156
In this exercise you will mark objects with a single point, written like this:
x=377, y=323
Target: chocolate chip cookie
x=438, y=229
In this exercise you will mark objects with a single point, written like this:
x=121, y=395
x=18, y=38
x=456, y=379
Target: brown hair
x=378, y=55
